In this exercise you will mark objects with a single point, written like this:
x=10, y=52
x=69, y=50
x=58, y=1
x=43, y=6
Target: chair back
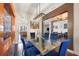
x=65, y=35
x=46, y=36
x=63, y=47
x=23, y=42
x=54, y=36
x=29, y=44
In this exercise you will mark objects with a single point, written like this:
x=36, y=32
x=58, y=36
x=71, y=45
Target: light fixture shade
x=39, y=15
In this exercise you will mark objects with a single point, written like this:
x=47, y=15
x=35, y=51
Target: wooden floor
x=70, y=54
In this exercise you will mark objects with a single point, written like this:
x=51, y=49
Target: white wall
x=76, y=28
x=19, y=21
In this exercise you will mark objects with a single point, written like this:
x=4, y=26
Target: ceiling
x=27, y=11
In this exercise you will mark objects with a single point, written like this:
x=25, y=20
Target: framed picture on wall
x=34, y=25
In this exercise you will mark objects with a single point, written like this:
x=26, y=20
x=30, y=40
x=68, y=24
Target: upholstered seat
x=32, y=51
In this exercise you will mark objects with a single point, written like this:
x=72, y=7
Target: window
x=65, y=26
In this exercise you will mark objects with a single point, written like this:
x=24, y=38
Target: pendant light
x=38, y=12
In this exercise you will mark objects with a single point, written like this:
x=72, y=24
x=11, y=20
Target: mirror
x=60, y=25
x=6, y=25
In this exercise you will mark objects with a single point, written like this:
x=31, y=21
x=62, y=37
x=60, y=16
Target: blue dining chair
x=46, y=36
x=26, y=45
x=65, y=35
x=62, y=50
x=54, y=36
x=28, y=48
x=23, y=42
x=32, y=51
